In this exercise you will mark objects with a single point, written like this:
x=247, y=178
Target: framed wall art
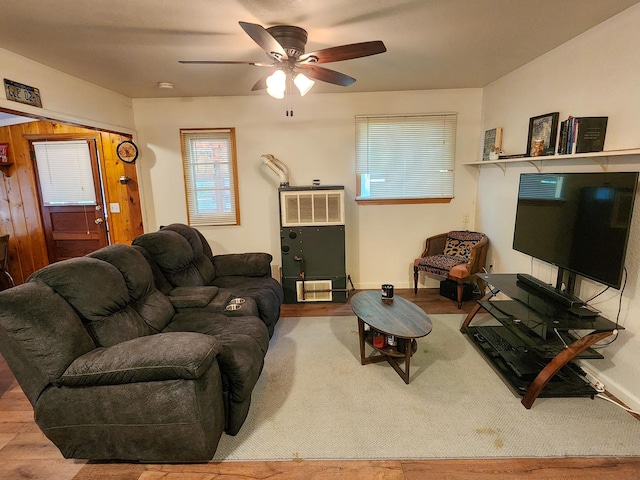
x=4, y=154
x=543, y=130
x=492, y=143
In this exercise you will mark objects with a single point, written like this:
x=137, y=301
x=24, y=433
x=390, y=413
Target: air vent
x=314, y=291
x=312, y=207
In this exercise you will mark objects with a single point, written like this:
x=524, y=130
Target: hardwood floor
x=26, y=454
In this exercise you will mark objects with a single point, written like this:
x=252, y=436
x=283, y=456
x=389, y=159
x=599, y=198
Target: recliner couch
x=183, y=264
x=115, y=372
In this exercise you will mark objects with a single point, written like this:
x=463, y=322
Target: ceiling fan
x=284, y=45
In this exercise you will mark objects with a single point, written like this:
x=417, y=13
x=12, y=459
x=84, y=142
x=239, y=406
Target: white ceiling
x=128, y=46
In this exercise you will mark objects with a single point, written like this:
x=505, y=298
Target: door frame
x=96, y=170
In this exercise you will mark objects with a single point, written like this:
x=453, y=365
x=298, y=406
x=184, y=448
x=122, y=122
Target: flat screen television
x=579, y=222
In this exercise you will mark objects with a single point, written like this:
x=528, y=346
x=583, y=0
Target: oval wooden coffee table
x=398, y=317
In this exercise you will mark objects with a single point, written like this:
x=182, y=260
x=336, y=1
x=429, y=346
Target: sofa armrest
x=243, y=264
x=192, y=297
x=163, y=356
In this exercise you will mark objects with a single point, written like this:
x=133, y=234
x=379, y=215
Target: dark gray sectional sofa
x=119, y=369
x=181, y=259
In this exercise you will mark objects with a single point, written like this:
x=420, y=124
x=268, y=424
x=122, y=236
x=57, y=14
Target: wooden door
x=71, y=200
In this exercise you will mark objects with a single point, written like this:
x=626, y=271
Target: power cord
x=615, y=332
x=596, y=295
x=560, y=337
x=604, y=397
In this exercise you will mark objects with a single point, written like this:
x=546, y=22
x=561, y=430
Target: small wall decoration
x=492, y=144
x=543, y=130
x=4, y=154
x=21, y=93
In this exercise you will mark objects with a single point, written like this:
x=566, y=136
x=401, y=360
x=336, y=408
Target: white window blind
x=209, y=162
x=405, y=157
x=64, y=173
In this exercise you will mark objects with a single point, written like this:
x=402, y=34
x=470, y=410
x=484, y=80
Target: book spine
x=574, y=142
x=562, y=142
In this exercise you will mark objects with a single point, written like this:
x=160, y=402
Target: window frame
x=218, y=217
x=363, y=150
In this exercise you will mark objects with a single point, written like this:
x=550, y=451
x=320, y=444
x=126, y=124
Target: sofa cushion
x=243, y=344
x=42, y=333
x=439, y=265
x=159, y=279
x=153, y=306
x=460, y=243
x=165, y=356
x=99, y=294
x=243, y=264
x=194, y=237
x=175, y=257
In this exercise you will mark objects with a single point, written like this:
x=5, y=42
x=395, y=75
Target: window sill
x=401, y=201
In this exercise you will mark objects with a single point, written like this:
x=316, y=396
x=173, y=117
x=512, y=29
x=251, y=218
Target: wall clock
x=127, y=151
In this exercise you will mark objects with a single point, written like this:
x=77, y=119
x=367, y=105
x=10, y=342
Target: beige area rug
x=315, y=401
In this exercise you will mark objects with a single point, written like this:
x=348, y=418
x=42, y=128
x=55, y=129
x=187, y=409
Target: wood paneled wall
x=19, y=204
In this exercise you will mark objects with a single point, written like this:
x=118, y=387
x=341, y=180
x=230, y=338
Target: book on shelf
x=582, y=135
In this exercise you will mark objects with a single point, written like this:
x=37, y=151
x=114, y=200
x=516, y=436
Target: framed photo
x=492, y=143
x=4, y=153
x=543, y=130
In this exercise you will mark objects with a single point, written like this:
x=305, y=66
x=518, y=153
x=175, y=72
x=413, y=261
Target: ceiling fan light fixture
x=303, y=83
x=276, y=84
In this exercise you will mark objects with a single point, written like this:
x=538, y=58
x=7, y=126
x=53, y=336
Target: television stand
x=535, y=350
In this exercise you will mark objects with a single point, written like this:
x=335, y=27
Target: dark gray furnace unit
x=312, y=240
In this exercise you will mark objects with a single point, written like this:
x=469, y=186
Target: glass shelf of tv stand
x=536, y=332
x=523, y=315
x=529, y=304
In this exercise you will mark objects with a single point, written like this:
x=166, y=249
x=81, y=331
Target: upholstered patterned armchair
x=456, y=255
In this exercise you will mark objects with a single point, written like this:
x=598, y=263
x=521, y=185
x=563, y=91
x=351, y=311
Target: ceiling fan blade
x=326, y=75
x=266, y=41
x=224, y=62
x=344, y=52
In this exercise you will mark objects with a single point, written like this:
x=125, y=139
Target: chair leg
x=415, y=280
x=460, y=289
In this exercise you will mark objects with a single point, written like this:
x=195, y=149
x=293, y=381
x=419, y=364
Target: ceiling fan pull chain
x=289, y=97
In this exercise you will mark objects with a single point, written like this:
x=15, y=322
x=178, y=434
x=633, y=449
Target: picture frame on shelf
x=492, y=144
x=543, y=131
x=4, y=154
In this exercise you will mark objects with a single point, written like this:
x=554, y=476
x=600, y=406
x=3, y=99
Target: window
x=211, y=180
x=64, y=173
x=405, y=159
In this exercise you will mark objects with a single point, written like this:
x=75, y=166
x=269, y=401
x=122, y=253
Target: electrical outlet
x=492, y=264
x=595, y=383
x=465, y=218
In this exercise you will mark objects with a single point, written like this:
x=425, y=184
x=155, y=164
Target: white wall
x=66, y=98
x=317, y=142
x=594, y=74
